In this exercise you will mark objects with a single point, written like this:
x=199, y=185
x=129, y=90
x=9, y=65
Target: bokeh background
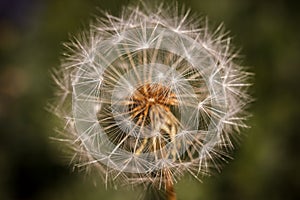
x=266, y=165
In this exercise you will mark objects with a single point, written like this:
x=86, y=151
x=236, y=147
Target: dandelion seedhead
x=150, y=95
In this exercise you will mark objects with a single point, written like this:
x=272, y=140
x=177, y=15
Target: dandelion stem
x=154, y=193
x=170, y=191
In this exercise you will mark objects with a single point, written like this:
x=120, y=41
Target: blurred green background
x=266, y=165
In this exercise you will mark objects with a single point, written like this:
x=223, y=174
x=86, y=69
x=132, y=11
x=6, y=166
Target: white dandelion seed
x=154, y=94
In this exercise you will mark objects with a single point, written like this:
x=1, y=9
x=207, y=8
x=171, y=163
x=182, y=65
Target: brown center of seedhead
x=152, y=105
x=151, y=100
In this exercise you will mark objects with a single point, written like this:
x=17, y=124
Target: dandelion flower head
x=151, y=94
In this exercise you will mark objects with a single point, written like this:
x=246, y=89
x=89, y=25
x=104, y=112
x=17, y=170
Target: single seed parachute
x=150, y=95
